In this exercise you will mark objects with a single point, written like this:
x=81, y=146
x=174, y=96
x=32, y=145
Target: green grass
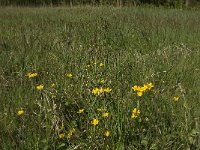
x=136, y=46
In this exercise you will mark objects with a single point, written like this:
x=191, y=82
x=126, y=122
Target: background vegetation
x=168, y=3
x=72, y=51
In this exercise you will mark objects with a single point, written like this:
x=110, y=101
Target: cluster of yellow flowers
x=71, y=131
x=61, y=136
x=69, y=134
x=41, y=86
x=96, y=122
x=94, y=63
x=141, y=89
x=135, y=113
x=98, y=91
x=31, y=74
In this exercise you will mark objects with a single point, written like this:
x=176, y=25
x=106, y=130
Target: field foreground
x=99, y=78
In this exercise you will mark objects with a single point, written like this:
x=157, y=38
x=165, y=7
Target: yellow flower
x=107, y=90
x=133, y=116
x=95, y=121
x=101, y=90
x=40, y=87
x=103, y=81
x=101, y=65
x=95, y=91
x=135, y=113
x=176, y=98
x=62, y=126
x=139, y=94
x=61, y=136
x=143, y=89
x=80, y=111
x=69, y=75
x=31, y=75
x=107, y=134
x=69, y=135
x=105, y=114
x=20, y=112
x=53, y=85
x=71, y=131
x=100, y=109
x=149, y=85
x=135, y=88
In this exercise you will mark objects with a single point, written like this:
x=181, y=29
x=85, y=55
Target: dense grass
x=135, y=45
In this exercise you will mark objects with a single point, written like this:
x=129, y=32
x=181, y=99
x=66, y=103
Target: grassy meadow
x=99, y=78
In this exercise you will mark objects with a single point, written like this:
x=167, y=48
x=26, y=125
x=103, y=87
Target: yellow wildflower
x=80, y=111
x=69, y=75
x=107, y=90
x=62, y=126
x=95, y=91
x=105, y=114
x=149, y=85
x=100, y=109
x=143, y=89
x=101, y=90
x=176, y=98
x=95, y=121
x=53, y=85
x=31, y=75
x=135, y=113
x=20, y=112
x=139, y=94
x=133, y=116
x=71, y=131
x=107, y=134
x=135, y=88
x=101, y=65
x=103, y=81
x=40, y=87
x=61, y=136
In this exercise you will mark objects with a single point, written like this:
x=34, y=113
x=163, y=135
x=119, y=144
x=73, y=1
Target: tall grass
x=133, y=46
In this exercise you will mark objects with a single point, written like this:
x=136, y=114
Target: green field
x=99, y=78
